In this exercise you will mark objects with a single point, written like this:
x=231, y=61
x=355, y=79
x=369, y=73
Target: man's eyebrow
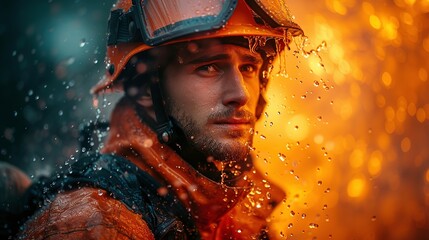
x=252, y=59
x=212, y=58
x=245, y=58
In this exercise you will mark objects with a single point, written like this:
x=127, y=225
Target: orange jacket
x=219, y=211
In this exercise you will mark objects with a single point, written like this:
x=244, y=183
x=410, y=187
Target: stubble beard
x=202, y=140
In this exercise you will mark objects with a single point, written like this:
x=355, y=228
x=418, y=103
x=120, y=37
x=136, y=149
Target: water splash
x=304, y=42
x=280, y=43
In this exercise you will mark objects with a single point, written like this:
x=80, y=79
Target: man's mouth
x=239, y=120
x=233, y=121
x=233, y=124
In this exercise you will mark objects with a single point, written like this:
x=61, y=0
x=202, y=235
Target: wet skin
x=212, y=91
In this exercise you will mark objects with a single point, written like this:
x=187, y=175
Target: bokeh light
x=354, y=149
x=345, y=133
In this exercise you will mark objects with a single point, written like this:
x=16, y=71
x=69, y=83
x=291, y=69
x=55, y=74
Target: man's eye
x=209, y=69
x=248, y=68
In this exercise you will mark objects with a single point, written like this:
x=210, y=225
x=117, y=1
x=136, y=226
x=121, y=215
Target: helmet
x=136, y=26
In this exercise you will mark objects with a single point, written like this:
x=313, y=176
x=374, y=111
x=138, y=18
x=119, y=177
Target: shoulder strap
x=164, y=214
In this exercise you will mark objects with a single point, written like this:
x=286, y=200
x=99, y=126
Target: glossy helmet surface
x=243, y=21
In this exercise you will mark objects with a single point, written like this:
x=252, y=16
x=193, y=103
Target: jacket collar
x=206, y=199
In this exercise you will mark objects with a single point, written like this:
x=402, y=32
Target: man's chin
x=230, y=150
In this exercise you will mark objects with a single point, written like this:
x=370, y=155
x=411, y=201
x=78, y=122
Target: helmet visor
x=275, y=10
x=166, y=19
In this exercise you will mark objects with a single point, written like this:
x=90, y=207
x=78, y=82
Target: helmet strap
x=164, y=128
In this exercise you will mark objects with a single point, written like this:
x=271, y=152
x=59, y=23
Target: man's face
x=212, y=91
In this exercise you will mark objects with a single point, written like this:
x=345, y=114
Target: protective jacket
x=141, y=189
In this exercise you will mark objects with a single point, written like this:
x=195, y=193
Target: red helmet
x=138, y=25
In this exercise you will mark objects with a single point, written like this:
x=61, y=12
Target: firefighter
x=177, y=163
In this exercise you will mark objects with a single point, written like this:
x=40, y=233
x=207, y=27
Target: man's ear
x=145, y=101
x=141, y=93
x=144, y=96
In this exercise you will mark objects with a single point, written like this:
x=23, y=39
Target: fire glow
x=354, y=156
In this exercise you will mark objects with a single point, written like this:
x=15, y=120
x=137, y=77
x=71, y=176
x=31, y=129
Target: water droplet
x=265, y=74
x=162, y=191
x=95, y=102
x=192, y=47
x=290, y=225
x=70, y=61
x=263, y=137
x=82, y=43
x=141, y=67
x=316, y=83
x=147, y=143
x=282, y=157
x=303, y=215
x=252, y=131
x=100, y=192
x=313, y=225
x=327, y=219
x=319, y=183
x=374, y=218
x=60, y=113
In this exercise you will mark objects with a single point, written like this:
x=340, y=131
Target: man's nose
x=235, y=90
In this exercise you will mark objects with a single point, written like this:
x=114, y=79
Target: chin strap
x=164, y=128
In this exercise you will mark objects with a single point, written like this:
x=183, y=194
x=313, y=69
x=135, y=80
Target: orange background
x=347, y=137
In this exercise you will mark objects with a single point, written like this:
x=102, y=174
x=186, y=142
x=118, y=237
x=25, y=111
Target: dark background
x=52, y=52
